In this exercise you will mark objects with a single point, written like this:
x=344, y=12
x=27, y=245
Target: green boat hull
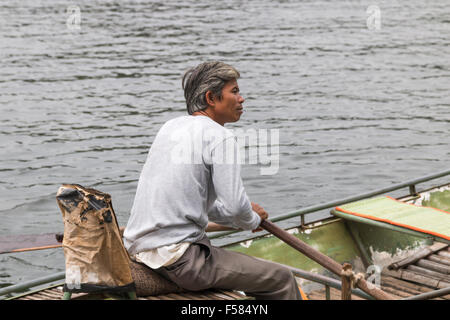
x=359, y=244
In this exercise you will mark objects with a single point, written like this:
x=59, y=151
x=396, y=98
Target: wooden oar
x=9, y=244
x=321, y=259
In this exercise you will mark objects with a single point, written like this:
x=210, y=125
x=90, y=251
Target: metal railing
x=430, y=295
x=411, y=184
x=32, y=283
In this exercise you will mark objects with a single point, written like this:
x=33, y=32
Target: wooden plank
x=194, y=296
x=165, y=297
x=428, y=273
x=203, y=295
x=398, y=293
x=33, y=297
x=439, y=259
x=435, y=266
x=218, y=296
x=395, y=283
x=411, y=276
x=188, y=296
x=41, y=296
x=52, y=291
x=335, y=294
x=444, y=254
x=426, y=280
x=57, y=292
x=214, y=296
x=55, y=295
x=49, y=295
x=233, y=294
x=210, y=295
x=223, y=296
x=407, y=286
x=398, y=282
x=419, y=255
x=176, y=296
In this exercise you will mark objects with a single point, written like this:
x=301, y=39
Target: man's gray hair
x=208, y=76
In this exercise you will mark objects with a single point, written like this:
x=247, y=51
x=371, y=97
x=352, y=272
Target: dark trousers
x=204, y=266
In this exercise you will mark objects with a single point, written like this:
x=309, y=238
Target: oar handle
x=320, y=258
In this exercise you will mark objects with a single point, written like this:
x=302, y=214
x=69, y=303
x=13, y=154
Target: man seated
x=191, y=184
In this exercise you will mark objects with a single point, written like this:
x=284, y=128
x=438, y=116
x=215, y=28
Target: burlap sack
x=95, y=257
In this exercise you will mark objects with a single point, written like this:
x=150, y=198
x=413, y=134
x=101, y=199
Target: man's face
x=229, y=108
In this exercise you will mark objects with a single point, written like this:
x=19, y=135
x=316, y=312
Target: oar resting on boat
x=322, y=259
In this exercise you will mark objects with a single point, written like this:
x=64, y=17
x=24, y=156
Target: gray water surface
x=357, y=108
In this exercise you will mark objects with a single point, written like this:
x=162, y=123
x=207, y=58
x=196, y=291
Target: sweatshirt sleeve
x=232, y=207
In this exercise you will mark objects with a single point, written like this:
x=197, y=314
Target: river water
x=358, y=92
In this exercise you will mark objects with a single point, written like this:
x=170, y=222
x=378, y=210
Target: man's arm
x=212, y=227
x=232, y=207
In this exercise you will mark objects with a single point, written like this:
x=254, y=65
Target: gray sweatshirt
x=191, y=176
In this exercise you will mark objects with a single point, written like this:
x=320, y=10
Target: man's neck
x=207, y=114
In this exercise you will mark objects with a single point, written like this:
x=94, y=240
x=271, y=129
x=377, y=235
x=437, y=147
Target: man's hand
x=261, y=212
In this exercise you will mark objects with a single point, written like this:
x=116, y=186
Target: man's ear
x=210, y=98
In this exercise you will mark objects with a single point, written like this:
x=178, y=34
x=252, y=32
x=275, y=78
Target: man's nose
x=241, y=99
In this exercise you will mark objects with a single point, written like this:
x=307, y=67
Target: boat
x=383, y=240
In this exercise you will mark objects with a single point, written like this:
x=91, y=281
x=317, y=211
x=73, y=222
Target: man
x=191, y=184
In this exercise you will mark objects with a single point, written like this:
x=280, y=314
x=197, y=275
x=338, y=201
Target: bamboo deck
x=56, y=293
x=425, y=275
